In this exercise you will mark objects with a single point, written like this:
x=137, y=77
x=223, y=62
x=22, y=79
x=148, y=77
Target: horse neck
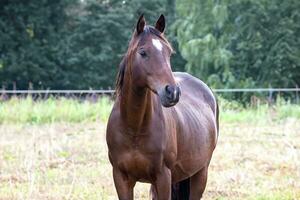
x=136, y=107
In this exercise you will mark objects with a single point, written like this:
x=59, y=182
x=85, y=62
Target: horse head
x=148, y=58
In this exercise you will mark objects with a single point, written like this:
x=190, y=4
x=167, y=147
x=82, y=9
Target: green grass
x=233, y=112
x=25, y=110
x=52, y=110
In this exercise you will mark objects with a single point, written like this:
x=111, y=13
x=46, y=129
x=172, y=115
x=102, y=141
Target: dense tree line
x=78, y=44
x=67, y=44
x=241, y=43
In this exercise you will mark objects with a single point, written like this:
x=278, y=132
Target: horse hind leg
x=153, y=193
x=198, y=184
x=181, y=190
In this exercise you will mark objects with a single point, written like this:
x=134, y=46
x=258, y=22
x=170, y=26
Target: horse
x=163, y=127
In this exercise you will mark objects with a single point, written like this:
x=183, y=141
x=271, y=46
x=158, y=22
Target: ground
x=69, y=161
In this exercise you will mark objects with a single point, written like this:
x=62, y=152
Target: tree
x=64, y=44
x=29, y=33
x=266, y=43
x=241, y=43
x=202, y=39
x=100, y=38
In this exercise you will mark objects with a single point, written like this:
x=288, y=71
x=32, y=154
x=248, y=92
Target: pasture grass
x=69, y=161
x=26, y=110
x=56, y=149
x=234, y=112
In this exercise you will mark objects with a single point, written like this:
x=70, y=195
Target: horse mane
x=132, y=47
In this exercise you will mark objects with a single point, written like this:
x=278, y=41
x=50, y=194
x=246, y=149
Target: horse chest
x=138, y=164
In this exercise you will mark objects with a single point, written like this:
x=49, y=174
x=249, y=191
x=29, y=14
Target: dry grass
x=256, y=162
x=69, y=161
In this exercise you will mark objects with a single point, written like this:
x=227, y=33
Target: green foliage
x=30, y=32
x=267, y=45
x=199, y=28
x=101, y=32
x=75, y=44
x=64, y=44
x=241, y=43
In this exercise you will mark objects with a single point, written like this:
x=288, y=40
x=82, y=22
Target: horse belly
x=194, y=150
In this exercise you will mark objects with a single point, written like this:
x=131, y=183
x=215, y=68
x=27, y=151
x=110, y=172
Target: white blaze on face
x=157, y=44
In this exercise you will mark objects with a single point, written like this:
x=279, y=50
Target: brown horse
x=163, y=127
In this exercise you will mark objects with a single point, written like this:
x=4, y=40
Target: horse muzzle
x=169, y=95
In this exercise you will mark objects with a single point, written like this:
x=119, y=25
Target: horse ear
x=141, y=24
x=160, y=24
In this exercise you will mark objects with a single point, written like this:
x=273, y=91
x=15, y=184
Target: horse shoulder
x=171, y=128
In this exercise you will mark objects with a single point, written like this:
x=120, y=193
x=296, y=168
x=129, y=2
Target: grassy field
x=56, y=149
x=27, y=111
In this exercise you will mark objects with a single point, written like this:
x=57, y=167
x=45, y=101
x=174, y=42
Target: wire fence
x=95, y=94
x=109, y=91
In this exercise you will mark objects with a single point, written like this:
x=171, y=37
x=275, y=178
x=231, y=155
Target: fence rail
x=57, y=91
x=112, y=91
x=258, y=90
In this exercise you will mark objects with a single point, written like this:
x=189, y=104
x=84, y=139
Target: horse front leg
x=124, y=184
x=163, y=184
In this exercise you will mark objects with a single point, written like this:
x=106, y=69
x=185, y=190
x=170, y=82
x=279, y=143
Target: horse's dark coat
x=151, y=143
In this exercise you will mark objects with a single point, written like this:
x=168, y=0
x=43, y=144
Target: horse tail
x=181, y=190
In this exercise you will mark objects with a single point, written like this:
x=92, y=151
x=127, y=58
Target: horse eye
x=143, y=54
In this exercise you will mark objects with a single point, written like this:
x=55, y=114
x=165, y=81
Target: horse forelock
x=136, y=39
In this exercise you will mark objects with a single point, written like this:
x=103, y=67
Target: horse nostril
x=169, y=91
x=172, y=92
x=170, y=95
